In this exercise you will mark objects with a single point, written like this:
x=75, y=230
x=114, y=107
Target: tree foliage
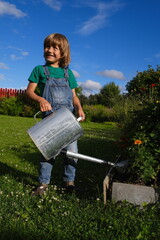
x=146, y=84
x=109, y=94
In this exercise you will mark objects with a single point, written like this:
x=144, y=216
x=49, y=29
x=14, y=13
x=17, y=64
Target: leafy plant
x=10, y=106
x=144, y=157
x=146, y=85
x=98, y=113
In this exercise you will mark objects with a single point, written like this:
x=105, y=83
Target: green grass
x=57, y=215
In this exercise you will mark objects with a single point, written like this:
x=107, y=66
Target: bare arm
x=43, y=103
x=77, y=105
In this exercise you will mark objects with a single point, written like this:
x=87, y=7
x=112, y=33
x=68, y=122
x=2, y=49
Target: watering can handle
x=79, y=119
x=36, y=115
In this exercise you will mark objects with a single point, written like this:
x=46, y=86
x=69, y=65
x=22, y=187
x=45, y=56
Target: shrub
x=10, y=106
x=121, y=112
x=125, y=109
x=28, y=111
x=30, y=107
x=98, y=113
x=143, y=133
x=146, y=84
x=18, y=106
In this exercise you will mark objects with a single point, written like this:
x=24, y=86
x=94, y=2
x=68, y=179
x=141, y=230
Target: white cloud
x=122, y=89
x=7, y=8
x=25, y=53
x=93, y=24
x=3, y=66
x=90, y=87
x=20, y=52
x=104, y=12
x=76, y=74
x=112, y=74
x=157, y=55
x=55, y=4
x=14, y=57
x=2, y=77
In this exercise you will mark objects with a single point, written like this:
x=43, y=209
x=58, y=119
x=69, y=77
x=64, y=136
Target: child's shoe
x=70, y=187
x=41, y=189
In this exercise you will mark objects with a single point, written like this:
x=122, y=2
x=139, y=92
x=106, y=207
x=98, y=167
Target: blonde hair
x=57, y=39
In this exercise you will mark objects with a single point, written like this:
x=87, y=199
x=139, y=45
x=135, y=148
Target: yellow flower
x=137, y=142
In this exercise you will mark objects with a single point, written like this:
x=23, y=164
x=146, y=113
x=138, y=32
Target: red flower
x=152, y=85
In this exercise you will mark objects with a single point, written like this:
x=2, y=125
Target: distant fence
x=5, y=92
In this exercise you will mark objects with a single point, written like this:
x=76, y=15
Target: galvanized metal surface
x=55, y=132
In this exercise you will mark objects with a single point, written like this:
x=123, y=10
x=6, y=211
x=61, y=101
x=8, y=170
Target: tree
x=145, y=84
x=83, y=99
x=109, y=94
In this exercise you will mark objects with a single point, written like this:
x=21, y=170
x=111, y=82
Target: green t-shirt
x=38, y=76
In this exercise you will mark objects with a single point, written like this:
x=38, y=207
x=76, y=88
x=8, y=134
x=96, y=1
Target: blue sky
x=110, y=40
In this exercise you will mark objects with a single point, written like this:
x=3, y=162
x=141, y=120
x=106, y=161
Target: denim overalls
x=58, y=93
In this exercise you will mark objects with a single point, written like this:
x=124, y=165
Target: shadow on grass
x=90, y=175
x=18, y=175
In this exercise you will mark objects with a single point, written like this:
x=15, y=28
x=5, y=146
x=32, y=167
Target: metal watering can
x=53, y=133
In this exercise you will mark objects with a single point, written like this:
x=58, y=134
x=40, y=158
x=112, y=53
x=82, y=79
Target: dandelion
x=137, y=142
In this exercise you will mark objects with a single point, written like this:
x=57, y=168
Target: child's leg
x=70, y=164
x=45, y=170
x=44, y=177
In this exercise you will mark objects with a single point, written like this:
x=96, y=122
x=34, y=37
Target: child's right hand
x=44, y=105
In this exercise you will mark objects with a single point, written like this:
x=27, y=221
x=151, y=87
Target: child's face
x=52, y=55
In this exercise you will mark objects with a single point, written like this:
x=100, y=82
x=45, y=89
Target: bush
x=30, y=107
x=98, y=113
x=122, y=111
x=18, y=106
x=125, y=109
x=10, y=106
x=143, y=145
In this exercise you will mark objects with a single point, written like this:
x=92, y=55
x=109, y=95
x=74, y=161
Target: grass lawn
x=57, y=215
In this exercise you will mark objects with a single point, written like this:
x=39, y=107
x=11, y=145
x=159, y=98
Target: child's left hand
x=81, y=114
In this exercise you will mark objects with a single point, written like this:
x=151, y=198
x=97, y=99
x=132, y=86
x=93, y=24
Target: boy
x=57, y=88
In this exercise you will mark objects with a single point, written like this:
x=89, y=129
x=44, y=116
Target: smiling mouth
x=49, y=55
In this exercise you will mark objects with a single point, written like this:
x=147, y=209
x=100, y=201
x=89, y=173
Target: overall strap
x=46, y=71
x=66, y=74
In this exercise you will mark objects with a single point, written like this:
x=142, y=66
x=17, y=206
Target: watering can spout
x=83, y=157
x=119, y=166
